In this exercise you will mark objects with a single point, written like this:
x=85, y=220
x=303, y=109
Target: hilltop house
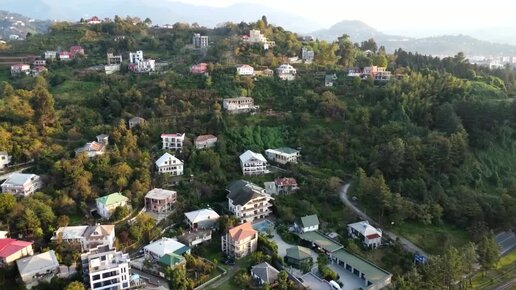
x=12, y=250
x=20, y=69
x=136, y=121
x=199, y=41
x=286, y=72
x=239, y=105
x=95, y=148
x=106, y=268
x=370, y=236
x=244, y=70
x=22, y=184
x=172, y=141
x=138, y=64
x=202, y=219
x=87, y=237
x=283, y=155
x=205, y=141
x=240, y=241
x=64, y=55
x=107, y=204
x=168, y=163
x=253, y=163
x=160, y=200
x=39, y=267
x=5, y=159
x=256, y=37
x=247, y=201
x=93, y=20
x=309, y=223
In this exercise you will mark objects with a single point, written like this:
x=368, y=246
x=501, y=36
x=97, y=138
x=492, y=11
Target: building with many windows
x=172, y=141
x=248, y=201
x=240, y=241
x=199, y=41
x=22, y=184
x=160, y=200
x=106, y=268
x=253, y=163
x=168, y=163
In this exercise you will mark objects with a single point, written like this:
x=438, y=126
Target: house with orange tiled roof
x=12, y=250
x=240, y=241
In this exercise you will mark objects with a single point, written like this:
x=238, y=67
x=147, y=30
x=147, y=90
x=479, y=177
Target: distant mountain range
x=169, y=12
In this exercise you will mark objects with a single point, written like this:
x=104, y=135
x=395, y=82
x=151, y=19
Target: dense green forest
x=436, y=147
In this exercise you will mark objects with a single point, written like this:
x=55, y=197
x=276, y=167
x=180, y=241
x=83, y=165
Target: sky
x=396, y=16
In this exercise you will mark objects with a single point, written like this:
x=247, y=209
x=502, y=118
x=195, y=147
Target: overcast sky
x=397, y=15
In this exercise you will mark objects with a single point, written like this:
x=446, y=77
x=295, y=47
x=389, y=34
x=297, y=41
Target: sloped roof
x=242, y=191
x=247, y=155
x=168, y=157
x=265, y=272
x=204, y=138
x=19, y=178
x=113, y=198
x=11, y=246
x=137, y=119
x=37, y=262
x=182, y=135
x=285, y=181
x=91, y=146
x=242, y=231
x=201, y=215
x=365, y=229
x=298, y=253
x=166, y=246
x=283, y=150
x=309, y=221
x=171, y=259
x=99, y=230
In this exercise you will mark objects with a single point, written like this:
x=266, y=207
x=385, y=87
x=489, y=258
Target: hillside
x=19, y=25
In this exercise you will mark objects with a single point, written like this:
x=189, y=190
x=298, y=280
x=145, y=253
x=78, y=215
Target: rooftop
x=165, y=246
x=309, y=220
x=113, y=198
x=203, y=138
x=173, y=135
x=168, y=157
x=37, y=262
x=266, y=272
x=160, y=193
x=284, y=150
x=242, y=191
x=285, y=181
x=242, y=232
x=11, y=246
x=367, y=230
x=372, y=272
x=201, y=215
x=321, y=240
x=248, y=155
x=299, y=253
x=20, y=178
x=171, y=259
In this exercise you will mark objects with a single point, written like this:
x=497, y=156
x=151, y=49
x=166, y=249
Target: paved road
x=229, y=274
x=408, y=245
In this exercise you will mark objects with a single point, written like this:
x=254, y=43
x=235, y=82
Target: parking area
x=350, y=281
x=506, y=241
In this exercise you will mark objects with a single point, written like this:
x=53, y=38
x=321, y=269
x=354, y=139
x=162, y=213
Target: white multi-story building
x=199, y=41
x=283, y=155
x=21, y=184
x=140, y=65
x=20, y=69
x=307, y=54
x=5, y=159
x=239, y=105
x=240, y=241
x=286, y=72
x=107, y=269
x=255, y=36
x=370, y=236
x=253, y=163
x=173, y=141
x=168, y=163
x=248, y=201
x=244, y=70
x=87, y=237
x=50, y=55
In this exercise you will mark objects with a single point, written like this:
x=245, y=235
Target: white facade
x=239, y=105
x=307, y=55
x=199, y=41
x=106, y=205
x=370, y=236
x=5, y=159
x=22, y=184
x=283, y=155
x=107, y=269
x=245, y=70
x=88, y=237
x=140, y=65
x=168, y=163
x=253, y=163
x=172, y=141
x=19, y=69
x=50, y=55
x=286, y=72
x=205, y=141
x=43, y=266
x=248, y=201
x=255, y=36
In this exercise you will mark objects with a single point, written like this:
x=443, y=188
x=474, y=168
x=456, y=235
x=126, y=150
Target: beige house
x=205, y=141
x=12, y=250
x=240, y=241
x=248, y=201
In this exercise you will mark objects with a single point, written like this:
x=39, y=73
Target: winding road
x=408, y=245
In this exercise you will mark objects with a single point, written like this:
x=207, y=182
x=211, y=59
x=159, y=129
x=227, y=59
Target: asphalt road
x=408, y=245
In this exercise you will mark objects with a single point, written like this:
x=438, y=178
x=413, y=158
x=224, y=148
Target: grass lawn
x=432, y=238
x=75, y=219
x=505, y=270
x=72, y=90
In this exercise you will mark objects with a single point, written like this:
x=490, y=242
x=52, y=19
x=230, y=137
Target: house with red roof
x=76, y=50
x=198, y=69
x=240, y=241
x=20, y=69
x=12, y=250
x=93, y=20
x=64, y=55
x=370, y=236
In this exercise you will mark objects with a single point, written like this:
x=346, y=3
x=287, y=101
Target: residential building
x=256, y=37
x=64, y=55
x=297, y=256
x=39, y=62
x=93, y=20
x=20, y=69
x=202, y=219
x=93, y=149
x=5, y=159
x=307, y=54
x=173, y=141
x=138, y=64
x=329, y=80
x=12, y=250
x=240, y=241
x=309, y=223
x=264, y=73
x=34, y=269
x=283, y=155
x=159, y=248
x=200, y=41
x=76, y=50
x=160, y=200
x=168, y=163
x=286, y=72
x=172, y=261
x=286, y=185
x=253, y=163
x=136, y=121
x=205, y=141
x=106, y=268
x=22, y=184
x=383, y=75
x=354, y=72
x=247, y=201
x=86, y=237
x=199, y=69
x=37, y=70
x=264, y=273
x=370, y=236
x=114, y=59
x=244, y=70
x=106, y=205
x=50, y=55
x=239, y=105
x=194, y=238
